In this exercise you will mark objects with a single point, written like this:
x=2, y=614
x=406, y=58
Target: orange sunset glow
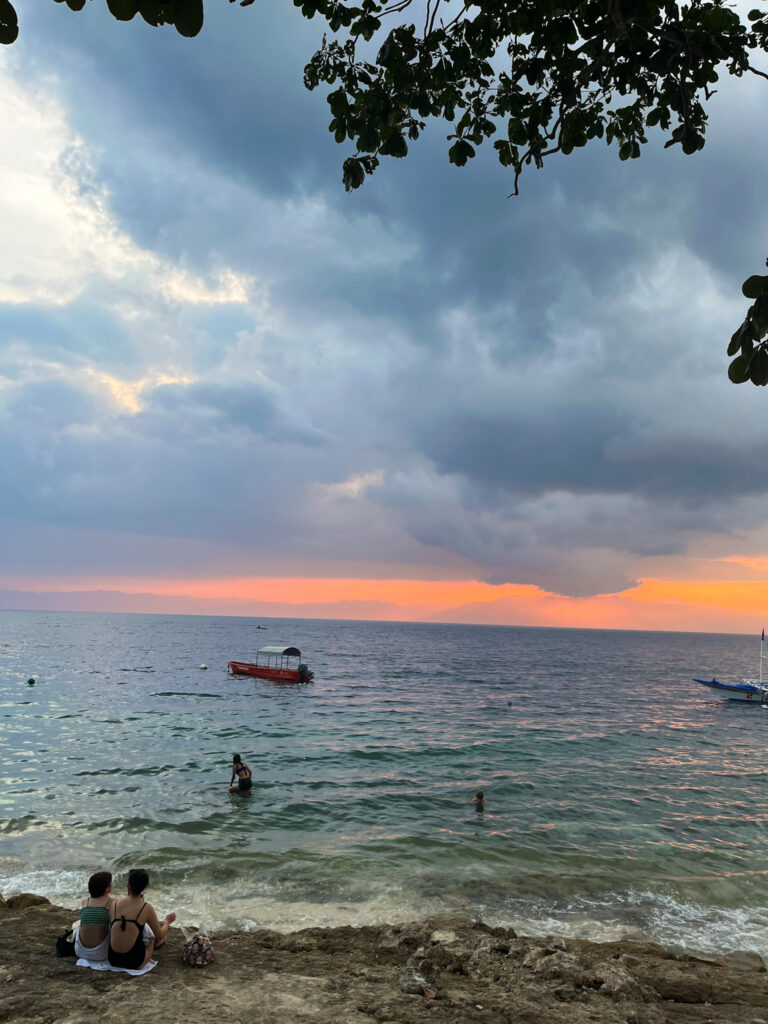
x=672, y=604
x=295, y=589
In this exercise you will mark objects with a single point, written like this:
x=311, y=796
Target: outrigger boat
x=750, y=690
x=278, y=664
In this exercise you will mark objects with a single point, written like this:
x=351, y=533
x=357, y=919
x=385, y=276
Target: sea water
x=622, y=800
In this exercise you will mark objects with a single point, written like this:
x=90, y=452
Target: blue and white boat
x=749, y=690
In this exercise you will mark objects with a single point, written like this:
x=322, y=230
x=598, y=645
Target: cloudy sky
x=228, y=385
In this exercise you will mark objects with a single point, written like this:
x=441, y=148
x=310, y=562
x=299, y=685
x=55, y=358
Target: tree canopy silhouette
x=538, y=77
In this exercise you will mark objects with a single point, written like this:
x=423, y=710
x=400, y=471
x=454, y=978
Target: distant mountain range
x=616, y=611
x=157, y=604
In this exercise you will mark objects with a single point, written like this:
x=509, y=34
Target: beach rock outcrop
x=440, y=971
x=26, y=899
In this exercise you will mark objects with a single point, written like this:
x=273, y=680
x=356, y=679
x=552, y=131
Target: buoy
x=30, y=682
x=203, y=666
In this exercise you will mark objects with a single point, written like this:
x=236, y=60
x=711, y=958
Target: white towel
x=105, y=965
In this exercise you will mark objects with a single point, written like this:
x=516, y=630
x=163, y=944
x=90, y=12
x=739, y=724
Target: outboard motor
x=304, y=674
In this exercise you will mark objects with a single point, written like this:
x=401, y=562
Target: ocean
x=622, y=800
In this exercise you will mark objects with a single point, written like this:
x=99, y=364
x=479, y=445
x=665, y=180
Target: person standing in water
x=243, y=773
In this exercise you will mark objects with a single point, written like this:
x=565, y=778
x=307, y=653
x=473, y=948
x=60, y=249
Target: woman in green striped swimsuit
x=92, y=935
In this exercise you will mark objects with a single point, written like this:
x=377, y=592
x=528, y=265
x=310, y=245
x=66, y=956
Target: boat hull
x=275, y=675
x=749, y=693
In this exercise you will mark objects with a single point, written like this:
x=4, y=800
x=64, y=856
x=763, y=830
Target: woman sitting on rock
x=92, y=934
x=134, y=930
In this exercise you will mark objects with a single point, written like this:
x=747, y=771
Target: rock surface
x=468, y=973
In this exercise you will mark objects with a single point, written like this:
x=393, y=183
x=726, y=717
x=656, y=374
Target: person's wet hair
x=236, y=759
x=138, y=879
x=98, y=883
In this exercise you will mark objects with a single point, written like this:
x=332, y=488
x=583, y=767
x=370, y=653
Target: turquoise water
x=621, y=798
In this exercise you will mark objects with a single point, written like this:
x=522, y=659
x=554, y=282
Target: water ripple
x=622, y=795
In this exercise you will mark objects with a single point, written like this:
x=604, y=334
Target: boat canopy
x=280, y=652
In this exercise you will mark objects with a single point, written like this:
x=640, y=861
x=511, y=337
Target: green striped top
x=94, y=915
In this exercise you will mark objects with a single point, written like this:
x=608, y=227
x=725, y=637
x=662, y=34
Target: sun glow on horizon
x=295, y=589
x=654, y=603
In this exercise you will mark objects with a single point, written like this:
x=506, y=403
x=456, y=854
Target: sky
x=228, y=386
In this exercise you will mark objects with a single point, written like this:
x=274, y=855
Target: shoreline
x=443, y=969
x=679, y=926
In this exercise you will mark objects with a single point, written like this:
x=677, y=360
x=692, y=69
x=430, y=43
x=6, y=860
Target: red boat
x=278, y=664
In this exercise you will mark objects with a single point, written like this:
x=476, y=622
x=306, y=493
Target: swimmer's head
x=236, y=759
x=138, y=880
x=99, y=883
x=479, y=795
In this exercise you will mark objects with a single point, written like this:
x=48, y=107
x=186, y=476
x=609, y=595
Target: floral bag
x=198, y=951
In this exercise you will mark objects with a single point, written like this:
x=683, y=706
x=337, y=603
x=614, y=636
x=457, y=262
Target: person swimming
x=243, y=773
x=479, y=800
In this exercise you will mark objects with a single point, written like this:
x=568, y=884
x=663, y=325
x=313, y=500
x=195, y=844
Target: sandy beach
x=440, y=970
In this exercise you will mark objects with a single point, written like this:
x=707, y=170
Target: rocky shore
x=440, y=971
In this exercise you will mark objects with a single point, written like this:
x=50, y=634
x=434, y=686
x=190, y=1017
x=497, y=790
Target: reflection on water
x=618, y=794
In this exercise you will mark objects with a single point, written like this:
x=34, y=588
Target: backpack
x=65, y=944
x=198, y=951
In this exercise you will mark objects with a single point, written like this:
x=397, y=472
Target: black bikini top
x=130, y=920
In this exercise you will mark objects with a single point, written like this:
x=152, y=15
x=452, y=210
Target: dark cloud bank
x=424, y=371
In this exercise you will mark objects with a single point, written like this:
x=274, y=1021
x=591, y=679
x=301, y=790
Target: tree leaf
x=758, y=368
x=9, y=23
x=188, y=17
x=123, y=10
x=737, y=371
x=460, y=152
x=760, y=314
x=353, y=174
x=156, y=13
x=735, y=343
x=754, y=286
x=394, y=145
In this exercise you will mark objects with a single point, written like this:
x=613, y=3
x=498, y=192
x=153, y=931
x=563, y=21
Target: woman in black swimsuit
x=243, y=773
x=134, y=930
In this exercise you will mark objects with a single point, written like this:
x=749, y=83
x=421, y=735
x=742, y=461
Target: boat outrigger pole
x=762, y=645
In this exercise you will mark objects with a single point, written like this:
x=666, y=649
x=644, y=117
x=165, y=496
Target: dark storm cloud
x=195, y=460
x=534, y=385
x=219, y=410
x=579, y=446
x=233, y=101
x=575, y=543
x=234, y=93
